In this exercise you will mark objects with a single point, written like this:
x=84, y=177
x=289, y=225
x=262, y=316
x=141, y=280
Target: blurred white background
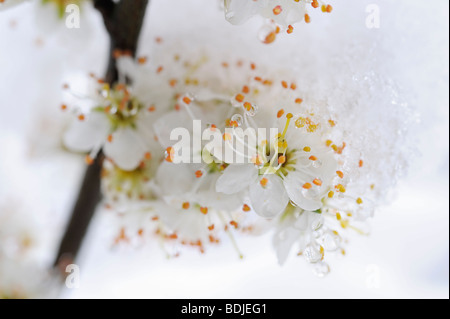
x=407, y=253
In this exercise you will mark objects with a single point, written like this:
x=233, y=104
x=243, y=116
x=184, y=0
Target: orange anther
x=264, y=182
x=240, y=98
x=198, y=174
x=307, y=18
x=317, y=182
x=307, y=186
x=142, y=60
x=186, y=205
x=290, y=29
x=277, y=10
x=187, y=100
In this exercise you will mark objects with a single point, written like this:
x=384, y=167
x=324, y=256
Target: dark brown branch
x=123, y=21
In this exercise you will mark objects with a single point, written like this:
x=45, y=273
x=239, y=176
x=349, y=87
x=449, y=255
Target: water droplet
x=253, y=110
x=317, y=222
x=318, y=234
x=235, y=103
x=267, y=33
x=312, y=254
x=229, y=15
x=317, y=164
x=331, y=242
x=310, y=193
x=238, y=119
x=321, y=269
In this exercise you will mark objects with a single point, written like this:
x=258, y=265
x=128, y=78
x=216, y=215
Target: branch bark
x=123, y=21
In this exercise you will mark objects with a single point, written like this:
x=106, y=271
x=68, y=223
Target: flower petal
x=283, y=241
x=270, y=200
x=298, y=195
x=126, y=149
x=175, y=179
x=236, y=178
x=239, y=11
x=83, y=136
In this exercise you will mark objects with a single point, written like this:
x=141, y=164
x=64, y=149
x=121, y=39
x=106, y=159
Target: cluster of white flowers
x=308, y=181
x=280, y=14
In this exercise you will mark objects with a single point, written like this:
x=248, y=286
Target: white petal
x=236, y=178
x=283, y=241
x=175, y=179
x=83, y=136
x=164, y=126
x=207, y=195
x=239, y=11
x=126, y=149
x=271, y=200
x=294, y=189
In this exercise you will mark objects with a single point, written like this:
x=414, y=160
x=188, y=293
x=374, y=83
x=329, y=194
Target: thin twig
x=123, y=21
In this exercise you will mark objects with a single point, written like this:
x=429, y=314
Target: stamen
x=198, y=174
x=282, y=160
x=317, y=182
x=277, y=10
x=289, y=117
x=307, y=186
x=264, y=182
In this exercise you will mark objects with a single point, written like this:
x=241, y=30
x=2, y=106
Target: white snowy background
x=408, y=250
